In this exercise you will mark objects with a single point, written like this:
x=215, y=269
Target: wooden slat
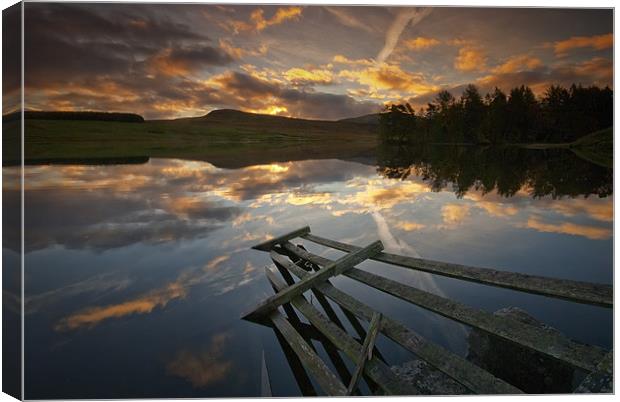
x=311, y=361
x=332, y=269
x=268, y=245
x=265, y=384
x=580, y=292
x=530, y=337
x=600, y=380
x=469, y=375
x=366, y=352
x=375, y=369
x=297, y=368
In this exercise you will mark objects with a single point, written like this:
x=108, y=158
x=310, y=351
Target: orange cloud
x=597, y=42
x=518, y=63
x=470, y=59
x=258, y=21
x=390, y=77
x=421, y=43
x=409, y=226
x=314, y=76
x=454, y=213
x=143, y=305
x=591, y=232
x=205, y=368
x=359, y=62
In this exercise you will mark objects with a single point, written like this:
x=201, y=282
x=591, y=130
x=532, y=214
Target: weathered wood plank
x=469, y=375
x=375, y=369
x=311, y=361
x=265, y=384
x=530, y=337
x=332, y=269
x=297, y=368
x=268, y=245
x=600, y=380
x=576, y=291
x=366, y=352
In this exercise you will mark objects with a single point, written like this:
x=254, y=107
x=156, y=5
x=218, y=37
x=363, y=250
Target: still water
x=137, y=274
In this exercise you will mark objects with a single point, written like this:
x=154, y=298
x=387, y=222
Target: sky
x=317, y=62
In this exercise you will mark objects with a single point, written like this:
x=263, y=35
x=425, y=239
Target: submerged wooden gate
x=313, y=273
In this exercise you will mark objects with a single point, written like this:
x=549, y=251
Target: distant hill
x=366, y=119
x=279, y=124
x=71, y=115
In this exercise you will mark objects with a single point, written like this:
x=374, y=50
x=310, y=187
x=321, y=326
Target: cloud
x=470, y=58
x=407, y=17
x=596, y=42
x=518, y=63
x=421, y=43
x=244, y=89
x=184, y=60
x=454, y=213
x=301, y=76
x=390, y=77
x=345, y=17
x=359, y=62
x=258, y=22
x=591, y=232
x=142, y=305
x=409, y=226
x=203, y=368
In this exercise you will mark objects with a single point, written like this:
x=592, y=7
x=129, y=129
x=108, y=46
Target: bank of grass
x=597, y=147
x=224, y=143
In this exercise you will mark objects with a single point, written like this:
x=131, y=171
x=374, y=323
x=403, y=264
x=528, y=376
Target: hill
x=365, y=119
x=226, y=138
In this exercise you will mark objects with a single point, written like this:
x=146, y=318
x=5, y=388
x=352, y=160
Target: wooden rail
x=332, y=269
x=580, y=292
x=293, y=260
x=311, y=361
x=366, y=352
x=550, y=344
x=376, y=369
x=469, y=375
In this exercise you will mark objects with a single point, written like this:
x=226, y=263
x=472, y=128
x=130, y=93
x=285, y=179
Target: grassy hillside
x=366, y=119
x=597, y=147
x=226, y=138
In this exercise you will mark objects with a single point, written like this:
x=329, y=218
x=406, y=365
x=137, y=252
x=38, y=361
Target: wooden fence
x=313, y=273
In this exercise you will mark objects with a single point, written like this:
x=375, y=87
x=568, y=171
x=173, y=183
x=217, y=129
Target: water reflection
x=507, y=170
x=118, y=254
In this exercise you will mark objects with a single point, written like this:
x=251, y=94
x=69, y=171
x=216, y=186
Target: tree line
x=560, y=115
x=550, y=172
x=74, y=115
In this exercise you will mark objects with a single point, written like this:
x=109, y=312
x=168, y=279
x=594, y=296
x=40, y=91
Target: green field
x=225, y=138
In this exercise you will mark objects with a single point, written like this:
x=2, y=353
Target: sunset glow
x=319, y=62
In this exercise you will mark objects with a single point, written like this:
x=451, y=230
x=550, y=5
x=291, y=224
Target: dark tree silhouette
x=560, y=115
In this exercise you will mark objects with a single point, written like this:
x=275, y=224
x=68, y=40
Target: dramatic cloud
x=591, y=232
x=345, y=17
x=244, y=89
x=518, y=63
x=403, y=18
x=390, y=77
x=470, y=58
x=205, y=367
x=258, y=22
x=300, y=76
x=421, y=43
x=597, y=42
x=180, y=60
